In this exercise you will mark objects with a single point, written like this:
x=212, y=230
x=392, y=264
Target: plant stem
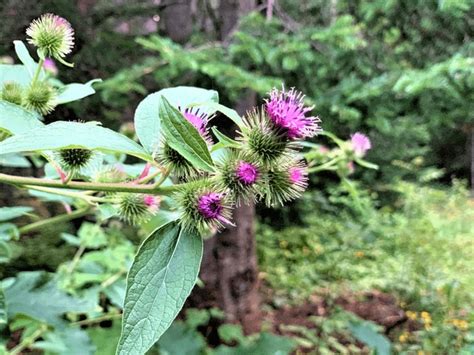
x=98, y=319
x=94, y=186
x=38, y=71
x=76, y=259
x=28, y=341
x=88, y=199
x=54, y=220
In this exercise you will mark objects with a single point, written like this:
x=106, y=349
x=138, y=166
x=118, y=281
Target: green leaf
x=5, y=254
x=16, y=72
x=366, y=333
x=3, y=309
x=162, y=276
x=224, y=141
x=230, y=113
x=183, y=137
x=16, y=119
x=14, y=161
x=75, y=91
x=105, y=339
x=37, y=295
x=147, y=115
x=67, y=341
x=181, y=339
x=7, y=213
x=25, y=57
x=91, y=235
x=61, y=134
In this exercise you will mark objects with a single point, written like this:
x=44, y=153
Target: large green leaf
x=183, y=137
x=59, y=135
x=16, y=119
x=147, y=115
x=36, y=295
x=160, y=279
x=75, y=91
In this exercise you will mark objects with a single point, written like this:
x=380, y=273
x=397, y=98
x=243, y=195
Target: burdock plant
x=180, y=182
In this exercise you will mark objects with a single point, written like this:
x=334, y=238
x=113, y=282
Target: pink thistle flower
x=286, y=110
x=50, y=66
x=210, y=206
x=52, y=35
x=153, y=202
x=360, y=144
x=199, y=121
x=247, y=173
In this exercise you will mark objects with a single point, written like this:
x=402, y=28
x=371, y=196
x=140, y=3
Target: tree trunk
x=229, y=268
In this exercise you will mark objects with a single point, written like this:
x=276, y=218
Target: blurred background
x=384, y=259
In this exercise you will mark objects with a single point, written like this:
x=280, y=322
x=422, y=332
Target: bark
x=177, y=18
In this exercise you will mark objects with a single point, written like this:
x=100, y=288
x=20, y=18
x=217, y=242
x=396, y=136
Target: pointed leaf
x=60, y=135
x=162, y=276
x=25, y=57
x=76, y=91
x=183, y=137
x=147, y=116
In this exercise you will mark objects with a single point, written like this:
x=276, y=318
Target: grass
x=420, y=250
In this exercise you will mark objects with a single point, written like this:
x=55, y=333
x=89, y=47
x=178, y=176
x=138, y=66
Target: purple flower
x=199, y=121
x=50, y=66
x=210, y=206
x=247, y=173
x=287, y=111
x=360, y=144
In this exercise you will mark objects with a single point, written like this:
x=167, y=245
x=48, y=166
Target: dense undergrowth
x=419, y=250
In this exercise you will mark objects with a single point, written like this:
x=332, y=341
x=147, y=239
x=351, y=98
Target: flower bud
x=176, y=163
x=52, y=35
x=240, y=176
x=261, y=142
x=40, y=97
x=204, y=206
x=286, y=182
x=136, y=209
x=74, y=159
x=111, y=175
x=12, y=92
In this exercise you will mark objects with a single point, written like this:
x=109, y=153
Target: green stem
x=76, y=259
x=54, y=220
x=98, y=319
x=38, y=71
x=94, y=186
x=163, y=177
x=28, y=341
x=88, y=199
x=325, y=166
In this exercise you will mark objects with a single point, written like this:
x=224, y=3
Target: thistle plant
x=186, y=184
